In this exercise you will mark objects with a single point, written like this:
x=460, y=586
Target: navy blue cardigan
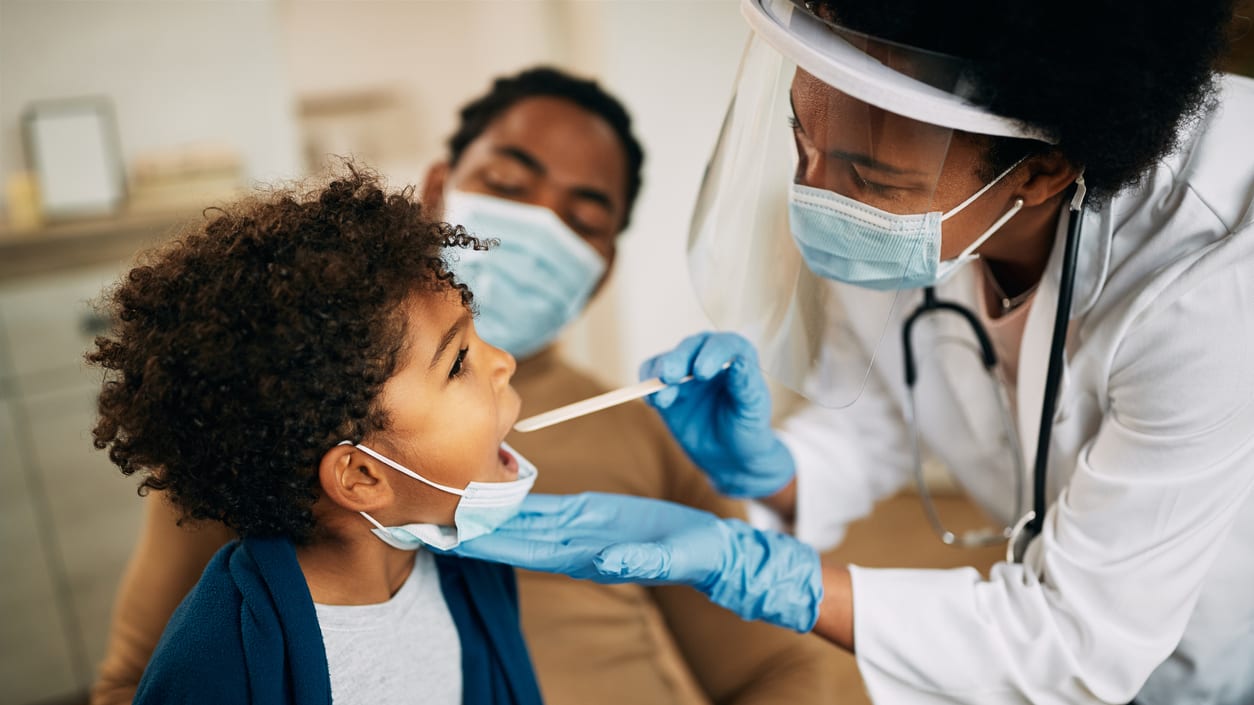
x=248, y=633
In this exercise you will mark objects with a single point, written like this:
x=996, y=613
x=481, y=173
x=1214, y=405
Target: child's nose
x=504, y=363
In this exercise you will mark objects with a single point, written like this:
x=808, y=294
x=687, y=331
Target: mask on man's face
x=481, y=507
x=537, y=280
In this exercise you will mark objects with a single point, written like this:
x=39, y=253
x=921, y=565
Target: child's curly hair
x=260, y=338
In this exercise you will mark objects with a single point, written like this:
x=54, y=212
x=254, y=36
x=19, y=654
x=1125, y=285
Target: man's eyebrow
x=448, y=338
x=533, y=164
x=523, y=157
x=859, y=159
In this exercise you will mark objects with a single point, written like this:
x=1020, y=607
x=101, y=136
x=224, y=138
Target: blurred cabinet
x=35, y=658
x=68, y=518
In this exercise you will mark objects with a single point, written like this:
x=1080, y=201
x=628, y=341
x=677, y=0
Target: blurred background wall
x=177, y=73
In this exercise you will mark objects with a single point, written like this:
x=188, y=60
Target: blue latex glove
x=612, y=538
x=722, y=418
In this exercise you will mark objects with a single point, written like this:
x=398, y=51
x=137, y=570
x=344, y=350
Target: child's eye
x=459, y=365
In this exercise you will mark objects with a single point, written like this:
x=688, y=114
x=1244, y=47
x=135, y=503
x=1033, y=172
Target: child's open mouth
x=508, y=461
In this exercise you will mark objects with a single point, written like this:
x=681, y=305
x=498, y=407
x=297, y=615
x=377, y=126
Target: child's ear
x=1048, y=175
x=354, y=480
x=433, y=189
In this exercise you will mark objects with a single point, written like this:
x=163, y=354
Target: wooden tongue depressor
x=597, y=403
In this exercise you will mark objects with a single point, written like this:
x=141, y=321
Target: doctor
x=1093, y=364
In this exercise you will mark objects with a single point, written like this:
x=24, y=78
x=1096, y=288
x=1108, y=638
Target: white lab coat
x=1142, y=582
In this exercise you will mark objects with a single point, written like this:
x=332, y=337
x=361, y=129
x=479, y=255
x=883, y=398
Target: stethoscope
x=1028, y=527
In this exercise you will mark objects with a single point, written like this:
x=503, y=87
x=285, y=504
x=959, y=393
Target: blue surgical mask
x=482, y=507
x=534, y=282
x=846, y=240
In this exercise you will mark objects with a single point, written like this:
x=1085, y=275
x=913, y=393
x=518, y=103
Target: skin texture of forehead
x=833, y=118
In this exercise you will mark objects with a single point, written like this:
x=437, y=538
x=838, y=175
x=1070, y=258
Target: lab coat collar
x=1093, y=264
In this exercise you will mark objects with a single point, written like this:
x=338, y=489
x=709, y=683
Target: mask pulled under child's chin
x=481, y=508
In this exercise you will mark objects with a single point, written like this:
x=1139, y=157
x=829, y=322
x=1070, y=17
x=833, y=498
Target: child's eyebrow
x=447, y=339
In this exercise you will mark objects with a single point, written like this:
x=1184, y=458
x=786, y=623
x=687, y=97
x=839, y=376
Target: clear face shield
x=826, y=195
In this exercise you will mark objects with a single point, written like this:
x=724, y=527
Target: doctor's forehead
x=831, y=118
x=824, y=109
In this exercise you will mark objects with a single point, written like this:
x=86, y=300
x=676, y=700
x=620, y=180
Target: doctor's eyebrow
x=448, y=338
x=863, y=160
x=871, y=163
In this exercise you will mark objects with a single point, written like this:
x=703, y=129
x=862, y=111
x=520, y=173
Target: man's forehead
x=570, y=142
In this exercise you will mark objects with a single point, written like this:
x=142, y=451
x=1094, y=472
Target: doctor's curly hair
x=259, y=338
x=1115, y=82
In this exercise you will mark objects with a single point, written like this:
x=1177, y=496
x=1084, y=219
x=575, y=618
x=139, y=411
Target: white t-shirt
x=405, y=650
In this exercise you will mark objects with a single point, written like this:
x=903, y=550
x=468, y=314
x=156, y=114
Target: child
x=304, y=369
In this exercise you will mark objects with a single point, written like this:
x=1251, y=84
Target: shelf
x=70, y=244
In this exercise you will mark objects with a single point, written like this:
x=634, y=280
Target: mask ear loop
x=970, y=251
x=402, y=469
x=958, y=208
x=374, y=521
x=997, y=224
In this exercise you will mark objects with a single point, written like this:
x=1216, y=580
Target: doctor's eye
x=871, y=186
x=794, y=123
x=459, y=365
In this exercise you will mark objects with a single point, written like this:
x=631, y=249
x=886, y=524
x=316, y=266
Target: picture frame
x=72, y=147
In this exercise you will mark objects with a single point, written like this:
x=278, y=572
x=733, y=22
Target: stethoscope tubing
x=1053, y=374
x=1029, y=526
